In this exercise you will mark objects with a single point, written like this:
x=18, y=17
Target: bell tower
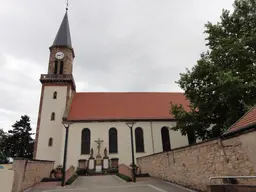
x=58, y=86
x=60, y=68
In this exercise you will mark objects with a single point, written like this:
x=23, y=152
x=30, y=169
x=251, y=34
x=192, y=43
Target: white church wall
x=50, y=128
x=101, y=129
x=176, y=139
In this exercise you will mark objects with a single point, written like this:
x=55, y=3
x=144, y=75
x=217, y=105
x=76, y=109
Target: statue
x=105, y=152
x=98, y=147
x=91, y=154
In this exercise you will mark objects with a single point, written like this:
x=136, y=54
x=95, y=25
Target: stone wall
x=29, y=172
x=6, y=180
x=193, y=165
x=125, y=170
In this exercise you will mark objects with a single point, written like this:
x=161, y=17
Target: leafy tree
x=221, y=87
x=19, y=142
x=3, y=156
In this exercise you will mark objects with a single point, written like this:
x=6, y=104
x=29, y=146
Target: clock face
x=59, y=55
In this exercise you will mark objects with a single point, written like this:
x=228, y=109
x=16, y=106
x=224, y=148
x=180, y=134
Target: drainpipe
x=153, y=146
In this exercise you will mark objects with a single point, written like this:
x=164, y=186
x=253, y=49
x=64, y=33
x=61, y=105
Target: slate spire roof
x=63, y=37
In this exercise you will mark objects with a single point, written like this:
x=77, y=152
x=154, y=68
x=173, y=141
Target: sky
x=120, y=46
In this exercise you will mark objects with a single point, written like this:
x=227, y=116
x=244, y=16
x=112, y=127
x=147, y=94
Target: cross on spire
x=67, y=6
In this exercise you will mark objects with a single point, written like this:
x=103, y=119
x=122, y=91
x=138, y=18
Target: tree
x=19, y=142
x=221, y=87
x=3, y=156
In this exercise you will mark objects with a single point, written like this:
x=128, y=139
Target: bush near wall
x=124, y=177
x=72, y=179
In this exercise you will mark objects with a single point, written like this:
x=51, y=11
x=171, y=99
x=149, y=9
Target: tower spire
x=63, y=37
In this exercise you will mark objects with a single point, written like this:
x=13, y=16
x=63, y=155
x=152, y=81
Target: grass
x=124, y=177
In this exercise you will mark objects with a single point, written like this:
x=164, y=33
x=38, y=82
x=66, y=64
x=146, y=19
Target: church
x=99, y=122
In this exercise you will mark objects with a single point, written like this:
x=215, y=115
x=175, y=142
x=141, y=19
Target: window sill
x=113, y=153
x=141, y=152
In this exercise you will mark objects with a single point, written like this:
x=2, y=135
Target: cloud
x=120, y=45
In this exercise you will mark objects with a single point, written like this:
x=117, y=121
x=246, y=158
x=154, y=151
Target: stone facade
x=30, y=172
x=192, y=166
x=67, y=60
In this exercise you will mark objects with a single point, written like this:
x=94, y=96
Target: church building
x=99, y=121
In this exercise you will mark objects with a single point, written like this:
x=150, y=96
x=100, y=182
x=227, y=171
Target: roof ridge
x=246, y=113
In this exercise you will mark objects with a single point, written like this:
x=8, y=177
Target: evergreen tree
x=19, y=142
x=3, y=155
x=222, y=85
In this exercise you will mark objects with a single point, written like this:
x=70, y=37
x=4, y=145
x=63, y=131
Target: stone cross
x=99, y=144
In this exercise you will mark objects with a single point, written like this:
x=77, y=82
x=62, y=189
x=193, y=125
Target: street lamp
x=66, y=124
x=130, y=125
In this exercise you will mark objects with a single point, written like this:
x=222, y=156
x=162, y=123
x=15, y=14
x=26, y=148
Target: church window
x=191, y=136
x=86, y=141
x=61, y=67
x=50, y=142
x=55, y=95
x=165, y=139
x=112, y=138
x=139, y=140
x=56, y=67
x=52, y=116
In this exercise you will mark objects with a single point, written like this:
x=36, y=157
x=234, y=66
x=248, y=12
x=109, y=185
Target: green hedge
x=72, y=179
x=124, y=177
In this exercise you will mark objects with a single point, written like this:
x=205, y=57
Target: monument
x=105, y=160
x=98, y=167
x=91, y=161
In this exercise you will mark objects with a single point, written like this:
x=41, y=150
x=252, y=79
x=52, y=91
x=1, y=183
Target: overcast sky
x=120, y=45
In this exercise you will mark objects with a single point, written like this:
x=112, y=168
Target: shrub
x=72, y=179
x=124, y=177
x=80, y=171
x=113, y=170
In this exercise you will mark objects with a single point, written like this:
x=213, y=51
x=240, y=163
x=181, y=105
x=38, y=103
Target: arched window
x=61, y=67
x=50, y=141
x=139, y=140
x=56, y=67
x=52, y=116
x=112, y=139
x=165, y=139
x=86, y=141
x=55, y=95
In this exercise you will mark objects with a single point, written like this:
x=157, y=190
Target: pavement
x=112, y=183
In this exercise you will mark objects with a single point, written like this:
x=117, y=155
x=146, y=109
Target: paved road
x=115, y=184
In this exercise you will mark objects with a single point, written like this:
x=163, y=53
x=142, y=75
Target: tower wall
x=52, y=128
x=67, y=60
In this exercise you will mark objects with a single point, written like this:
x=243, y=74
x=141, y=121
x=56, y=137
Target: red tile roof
x=247, y=119
x=124, y=106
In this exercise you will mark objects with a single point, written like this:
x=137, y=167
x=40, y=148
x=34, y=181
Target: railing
x=58, y=77
x=232, y=177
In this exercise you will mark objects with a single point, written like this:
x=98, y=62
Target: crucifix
x=99, y=144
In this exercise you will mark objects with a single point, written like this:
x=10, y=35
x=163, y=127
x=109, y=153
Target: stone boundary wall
x=30, y=172
x=69, y=173
x=192, y=166
x=125, y=170
x=6, y=180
